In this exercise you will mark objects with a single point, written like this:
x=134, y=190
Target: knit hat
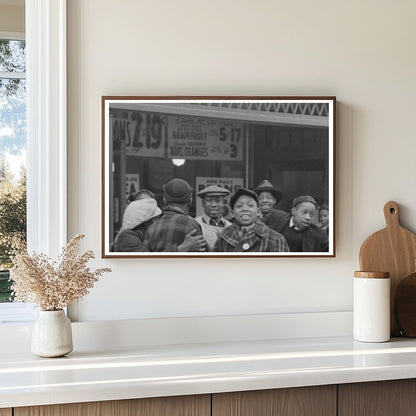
x=177, y=190
x=266, y=186
x=138, y=212
x=243, y=191
x=304, y=198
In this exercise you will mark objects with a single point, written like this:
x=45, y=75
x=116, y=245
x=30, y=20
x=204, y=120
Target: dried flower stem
x=53, y=285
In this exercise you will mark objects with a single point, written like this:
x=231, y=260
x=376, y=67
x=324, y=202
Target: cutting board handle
x=391, y=214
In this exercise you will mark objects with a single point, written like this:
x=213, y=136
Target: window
x=46, y=135
x=13, y=155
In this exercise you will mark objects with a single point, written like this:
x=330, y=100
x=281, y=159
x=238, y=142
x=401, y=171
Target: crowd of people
x=255, y=225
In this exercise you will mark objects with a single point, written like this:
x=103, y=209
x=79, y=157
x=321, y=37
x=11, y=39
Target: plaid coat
x=169, y=231
x=259, y=239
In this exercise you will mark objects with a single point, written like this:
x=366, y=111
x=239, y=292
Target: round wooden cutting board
x=392, y=250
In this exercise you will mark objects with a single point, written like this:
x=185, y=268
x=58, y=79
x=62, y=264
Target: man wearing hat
x=136, y=219
x=248, y=234
x=301, y=233
x=269, y=196
x=212, y=222
x=176, y=230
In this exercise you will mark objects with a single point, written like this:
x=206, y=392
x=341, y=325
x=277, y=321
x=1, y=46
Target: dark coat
x=273, y=219
x=130, y=240
x=314, y=239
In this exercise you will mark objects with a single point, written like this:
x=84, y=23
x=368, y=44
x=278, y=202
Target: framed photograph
x=218, y=177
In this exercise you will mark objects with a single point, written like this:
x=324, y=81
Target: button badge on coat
x=246, y=246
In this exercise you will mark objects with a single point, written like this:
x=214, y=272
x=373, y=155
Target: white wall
x=362, y=52
x=12, y=16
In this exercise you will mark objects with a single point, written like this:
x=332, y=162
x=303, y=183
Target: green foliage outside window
x=12, y=224
x=12, y=147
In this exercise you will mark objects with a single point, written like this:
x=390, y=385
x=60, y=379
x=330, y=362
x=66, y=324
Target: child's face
x=266, y=201
x=324, y=217
x=303, y=214
x=246, y=210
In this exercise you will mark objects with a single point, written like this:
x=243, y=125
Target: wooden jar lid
x=372, y=275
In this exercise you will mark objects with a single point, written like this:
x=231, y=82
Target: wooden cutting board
x=393, y=250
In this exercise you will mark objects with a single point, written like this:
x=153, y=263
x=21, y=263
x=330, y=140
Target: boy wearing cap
x=301, y=233
x=248, y=234
x=212, y=222
x=176, y=230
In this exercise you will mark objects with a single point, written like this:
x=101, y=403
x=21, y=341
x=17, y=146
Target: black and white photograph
x=218, y=176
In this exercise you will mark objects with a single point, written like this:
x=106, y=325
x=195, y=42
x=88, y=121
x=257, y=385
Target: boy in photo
x=248, y=233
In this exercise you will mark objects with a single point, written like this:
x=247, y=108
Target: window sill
x=16, y=313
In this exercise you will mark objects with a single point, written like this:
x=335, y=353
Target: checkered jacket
x=259, y=239
x=170, y=230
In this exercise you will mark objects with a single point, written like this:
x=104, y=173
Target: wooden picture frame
x=227, y=142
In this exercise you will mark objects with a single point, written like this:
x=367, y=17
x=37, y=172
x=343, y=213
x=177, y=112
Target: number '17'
x=235, y=134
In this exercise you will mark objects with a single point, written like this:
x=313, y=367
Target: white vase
x=52, y=334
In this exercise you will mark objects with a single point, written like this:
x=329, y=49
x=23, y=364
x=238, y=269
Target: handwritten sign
x=204, y=138
x=144, y=134
x=232, y=184
x=132, y=183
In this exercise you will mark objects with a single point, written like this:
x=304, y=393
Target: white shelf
x=151, y=371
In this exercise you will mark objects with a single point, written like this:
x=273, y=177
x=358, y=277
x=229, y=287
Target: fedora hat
x=266, y=186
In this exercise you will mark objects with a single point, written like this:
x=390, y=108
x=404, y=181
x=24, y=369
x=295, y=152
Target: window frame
x=46, y=113
x=46, y=125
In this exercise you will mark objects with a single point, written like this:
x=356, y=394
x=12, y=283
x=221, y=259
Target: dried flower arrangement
x=52, y=285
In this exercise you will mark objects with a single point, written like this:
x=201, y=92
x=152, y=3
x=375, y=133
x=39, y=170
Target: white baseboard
x=110, y=335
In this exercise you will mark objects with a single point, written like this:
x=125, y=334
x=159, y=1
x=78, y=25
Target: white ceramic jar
x=371, y=306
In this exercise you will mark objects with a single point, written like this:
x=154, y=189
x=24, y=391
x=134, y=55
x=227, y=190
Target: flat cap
x=213, y=190
x=304, y=198
x=177, y=190
x=266, y=186
x=243, y=191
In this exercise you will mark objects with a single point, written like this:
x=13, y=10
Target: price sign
x=204, y=138
x=132, y=183
x=143, y=133
x=232, y=184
